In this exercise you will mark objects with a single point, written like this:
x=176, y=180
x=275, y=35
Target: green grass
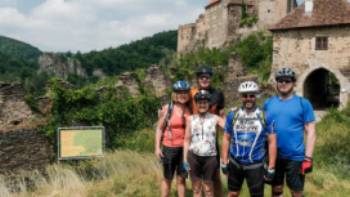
x=138, y=173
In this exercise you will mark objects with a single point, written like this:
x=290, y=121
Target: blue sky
x=72, y=25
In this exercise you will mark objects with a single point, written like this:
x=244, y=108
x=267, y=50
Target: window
x=321, y=43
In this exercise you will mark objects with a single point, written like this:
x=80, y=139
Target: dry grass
x=128, y=173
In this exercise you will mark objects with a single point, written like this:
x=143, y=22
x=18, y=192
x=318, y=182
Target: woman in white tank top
x=200, y=145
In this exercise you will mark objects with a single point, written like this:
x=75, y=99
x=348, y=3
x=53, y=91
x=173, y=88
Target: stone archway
x=324, y=87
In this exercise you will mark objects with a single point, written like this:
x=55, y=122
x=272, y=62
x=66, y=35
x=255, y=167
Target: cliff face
x=60, y=66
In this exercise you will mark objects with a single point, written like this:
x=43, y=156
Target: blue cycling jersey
x=248, y=136
x=289, y=117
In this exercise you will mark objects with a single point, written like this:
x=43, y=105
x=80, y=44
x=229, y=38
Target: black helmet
x=204, y=69
x=202, y=95
x=181, y=86
x=285, y=72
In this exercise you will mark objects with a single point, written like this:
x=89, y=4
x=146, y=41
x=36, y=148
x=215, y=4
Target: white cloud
x=62, y=25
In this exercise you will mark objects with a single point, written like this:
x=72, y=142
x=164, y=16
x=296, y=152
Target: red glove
x=306, y=166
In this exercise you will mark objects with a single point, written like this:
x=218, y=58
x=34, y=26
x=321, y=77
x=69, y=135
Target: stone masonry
x=24, y=149
x=219, y=25
x=295, y=41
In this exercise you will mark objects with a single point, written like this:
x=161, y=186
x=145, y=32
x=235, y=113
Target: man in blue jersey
x=292, y=116
x=248, y=133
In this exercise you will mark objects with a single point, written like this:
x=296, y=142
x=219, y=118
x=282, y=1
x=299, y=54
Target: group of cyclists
x=260, y=144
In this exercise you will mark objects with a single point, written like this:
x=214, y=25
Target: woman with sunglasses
x=170, y=135
x=200, y=150
x=247, y=132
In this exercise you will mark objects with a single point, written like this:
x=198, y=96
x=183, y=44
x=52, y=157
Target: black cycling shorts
x=172, y=161
x=292, y=170
x=254, y=178
x=202, y=168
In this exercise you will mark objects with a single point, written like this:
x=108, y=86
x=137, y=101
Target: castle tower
x=272, y=11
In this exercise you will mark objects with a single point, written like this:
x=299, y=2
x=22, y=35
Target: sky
x=85, y=25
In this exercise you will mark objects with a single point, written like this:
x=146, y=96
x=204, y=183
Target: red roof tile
x=325, y=13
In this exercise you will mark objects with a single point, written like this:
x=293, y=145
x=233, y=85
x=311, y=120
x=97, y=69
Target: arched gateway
x=324, y=86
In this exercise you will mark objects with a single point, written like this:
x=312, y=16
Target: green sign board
x=80, y=142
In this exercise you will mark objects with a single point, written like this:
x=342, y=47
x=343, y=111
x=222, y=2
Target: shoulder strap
x=168, y=115
x=261, y=117
x=235, y=115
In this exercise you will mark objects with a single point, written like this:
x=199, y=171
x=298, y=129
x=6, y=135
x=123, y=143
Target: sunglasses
x=248, y=95
x=204, y=77
x=284, y=80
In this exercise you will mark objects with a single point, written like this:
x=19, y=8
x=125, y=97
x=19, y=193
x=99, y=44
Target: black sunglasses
x=287, y=80
x=248, y=95
x=204, y=77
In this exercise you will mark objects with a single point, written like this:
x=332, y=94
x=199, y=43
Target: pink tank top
x=175, y=137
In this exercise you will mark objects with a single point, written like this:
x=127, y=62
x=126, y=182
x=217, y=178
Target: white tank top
x=203, y=135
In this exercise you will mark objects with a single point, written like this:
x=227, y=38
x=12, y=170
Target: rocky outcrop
x=129, y=81
x=14, y=111
x=156, y=80
x=60, y=65
x=24, y=149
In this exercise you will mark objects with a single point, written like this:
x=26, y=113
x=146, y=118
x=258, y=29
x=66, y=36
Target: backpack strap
x=167, y=117
x=261, y=117
x=235, y=111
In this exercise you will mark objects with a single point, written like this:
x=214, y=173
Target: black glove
x=269, y=175
x=224, y=169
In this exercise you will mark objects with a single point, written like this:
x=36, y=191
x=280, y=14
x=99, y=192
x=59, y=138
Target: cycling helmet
x=248, y=87
x=285, y=72
x=202, y=95
x=181, y=86
x=204, y=70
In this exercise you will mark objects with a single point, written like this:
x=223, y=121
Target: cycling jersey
x=248, y=135
x=203, y=135
x=289, y=117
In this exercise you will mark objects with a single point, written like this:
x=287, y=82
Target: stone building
x=215, y=28
x=314, y=39
x=219, y=25
x=271, y=11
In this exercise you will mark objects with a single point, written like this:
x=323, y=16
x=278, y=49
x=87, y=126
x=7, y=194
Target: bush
x=118, y=112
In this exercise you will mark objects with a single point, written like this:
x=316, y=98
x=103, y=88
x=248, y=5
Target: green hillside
x=18, y=50
x=138, y=54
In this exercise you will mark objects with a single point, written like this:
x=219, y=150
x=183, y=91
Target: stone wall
x=14, y=111
x=272, y=11
x=219, y=24
x=185, y=37
x=24, y=149
x=296, y=49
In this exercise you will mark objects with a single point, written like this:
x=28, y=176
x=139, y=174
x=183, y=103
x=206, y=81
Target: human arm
x=221, y=122
x=159, y=132
x=225, y=148
x=187, y=139
x=310, y=130
x=272, y=146
x=227, y=138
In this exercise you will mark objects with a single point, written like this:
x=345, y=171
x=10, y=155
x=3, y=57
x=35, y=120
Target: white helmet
x=248, y=87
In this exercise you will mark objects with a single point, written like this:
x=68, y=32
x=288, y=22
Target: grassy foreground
x=128, y=173
x=138, y=173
